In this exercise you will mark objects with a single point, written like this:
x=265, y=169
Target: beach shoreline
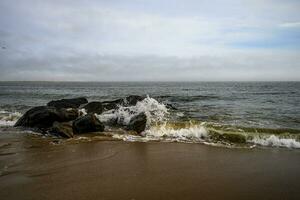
x=37, y=169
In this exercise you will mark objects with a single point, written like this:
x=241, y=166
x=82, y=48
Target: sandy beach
x=34, y=168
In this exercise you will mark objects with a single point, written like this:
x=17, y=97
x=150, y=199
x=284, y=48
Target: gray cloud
x=151, y=41
x=154, y=68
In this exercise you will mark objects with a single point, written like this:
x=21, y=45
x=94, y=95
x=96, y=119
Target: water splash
x=155, y=112
x=275, y=141
x=192, y=133
x=9, y=118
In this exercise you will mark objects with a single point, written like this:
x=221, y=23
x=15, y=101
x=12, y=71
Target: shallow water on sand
x=33, y=167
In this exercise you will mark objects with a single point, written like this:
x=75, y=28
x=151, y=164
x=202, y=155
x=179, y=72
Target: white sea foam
x=275, y=141
x=193, y=133
x=199, y=133
x=82, y=112
x=131, y=138
x=9, y=118
x=155, y=112
x=180, y=114
x=6, y=123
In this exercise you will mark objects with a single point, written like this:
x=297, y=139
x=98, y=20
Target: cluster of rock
x=63, y=117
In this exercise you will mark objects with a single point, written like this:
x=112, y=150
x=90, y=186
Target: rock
x=138, y=123
x=110, y=105
x=68, y=103
x=63, y=129
x=127, y=101
x=170, y=106
x=44, y=116
x=87, y=123
x=132, y=100
x=94, y=107
x=68, y=114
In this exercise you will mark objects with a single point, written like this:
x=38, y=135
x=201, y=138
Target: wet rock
x=132, y=100
x=68, y=114
x=63, y=129
x=68, y=103
x=127, y=101
x=44, y=116
x=86, y=124
x=170, y=106
x=94, y=107
x=138, y=123
x=111, y=105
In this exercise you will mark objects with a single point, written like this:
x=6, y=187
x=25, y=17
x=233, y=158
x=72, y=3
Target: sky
x=150, y=40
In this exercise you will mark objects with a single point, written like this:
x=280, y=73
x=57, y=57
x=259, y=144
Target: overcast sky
x=150, y=40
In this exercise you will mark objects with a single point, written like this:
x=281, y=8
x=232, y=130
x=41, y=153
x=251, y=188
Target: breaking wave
x=165, y=125
x=8, y=118
x=200, y=133
x=162, y=126
x=275, y=141
x=156, y=112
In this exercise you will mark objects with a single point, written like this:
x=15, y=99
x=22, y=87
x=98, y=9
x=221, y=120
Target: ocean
x=229, y=114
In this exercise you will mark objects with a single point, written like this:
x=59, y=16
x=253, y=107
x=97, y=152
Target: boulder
x=111, y=105
x=132, y=100
x=86, y=124
x=63, y=129
x=138, y=123
x=68, y=114
x=94, y=107
x=44, y=116
x=127, y=101
x=170, y=106
x=68, y=103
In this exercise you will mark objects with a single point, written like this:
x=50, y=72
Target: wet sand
x=32, y=168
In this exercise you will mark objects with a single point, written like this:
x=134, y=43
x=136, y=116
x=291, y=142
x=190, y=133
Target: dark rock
x=86, y=124
x=68, y=114
x=138, y=123
x=132, y=100
x=127, y=101
x=63, y=129
x=44, y=116
x=170, y=106
x=111, y=105
x=94, y=107
x=68, y=103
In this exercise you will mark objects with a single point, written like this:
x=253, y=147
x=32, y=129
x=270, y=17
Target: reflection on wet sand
x=33, y=167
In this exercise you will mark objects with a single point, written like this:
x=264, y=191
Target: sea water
x=259, y=113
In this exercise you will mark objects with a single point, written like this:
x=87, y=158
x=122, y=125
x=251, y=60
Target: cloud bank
x=150, y=41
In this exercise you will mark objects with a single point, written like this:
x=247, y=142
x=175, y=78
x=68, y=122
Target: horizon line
x=78, y=81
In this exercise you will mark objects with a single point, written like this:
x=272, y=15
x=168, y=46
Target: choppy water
x=267, y=113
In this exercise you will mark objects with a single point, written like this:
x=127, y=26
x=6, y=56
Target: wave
x=275, y=141
x=8, y=118
x=201, y=134
x=196, y=132
x=163, y=125
x=160, y=127
x=155, y=112
x=192, y=133
x=271, y=93
x=185, y=99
